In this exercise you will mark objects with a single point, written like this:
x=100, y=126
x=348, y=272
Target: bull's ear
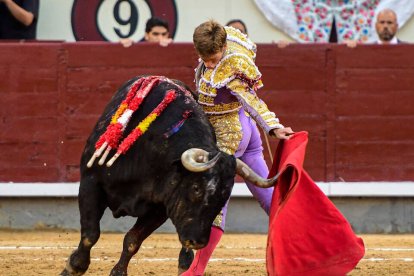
x=176, y=167
x=176, y=161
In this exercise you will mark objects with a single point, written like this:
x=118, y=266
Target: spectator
x=386, y=27
x=156, y=31
x=18, y=19
x=238, y=24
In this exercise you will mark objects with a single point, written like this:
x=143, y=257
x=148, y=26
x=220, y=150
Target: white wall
x=406, y=33
x=193, y=13
x=55, y=19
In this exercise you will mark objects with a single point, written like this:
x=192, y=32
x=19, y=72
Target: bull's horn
x=196, y=160
x=249, y=175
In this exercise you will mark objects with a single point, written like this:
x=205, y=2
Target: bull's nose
x=192, y=244
x=189, y=243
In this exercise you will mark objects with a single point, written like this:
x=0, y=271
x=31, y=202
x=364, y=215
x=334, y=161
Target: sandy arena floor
x=45, y=253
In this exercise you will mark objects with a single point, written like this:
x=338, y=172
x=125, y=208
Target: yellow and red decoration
x=112, y=136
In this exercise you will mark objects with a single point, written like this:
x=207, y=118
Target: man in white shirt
x=386, y=27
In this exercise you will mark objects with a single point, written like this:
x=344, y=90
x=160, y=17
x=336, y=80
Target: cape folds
x=307, y=233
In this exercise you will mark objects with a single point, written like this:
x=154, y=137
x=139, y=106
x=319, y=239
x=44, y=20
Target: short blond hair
x=209, y=38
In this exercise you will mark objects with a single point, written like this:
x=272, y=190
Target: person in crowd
x=226, y=82
x=156, y=31
x=241, y=26
x=238, y=24
x=387, y=27
x=18, y=19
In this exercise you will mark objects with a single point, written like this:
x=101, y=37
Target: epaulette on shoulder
x=235, y=66
x=239, y=42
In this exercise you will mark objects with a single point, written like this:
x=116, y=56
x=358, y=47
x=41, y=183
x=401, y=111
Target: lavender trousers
x=250, y=151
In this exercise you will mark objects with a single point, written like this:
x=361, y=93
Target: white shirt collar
x=394, y=40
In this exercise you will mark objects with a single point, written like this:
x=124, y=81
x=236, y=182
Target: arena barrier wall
x=356, y=104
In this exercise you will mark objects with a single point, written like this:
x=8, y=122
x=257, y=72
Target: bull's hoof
x=117, y=271
x=77, y=264
x=67, y=272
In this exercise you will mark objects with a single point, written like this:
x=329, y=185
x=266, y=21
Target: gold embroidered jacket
x=230, y=86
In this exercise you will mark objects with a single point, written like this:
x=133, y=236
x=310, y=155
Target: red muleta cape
x=307, y=233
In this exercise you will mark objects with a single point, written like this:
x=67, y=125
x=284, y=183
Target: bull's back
x=154, y=153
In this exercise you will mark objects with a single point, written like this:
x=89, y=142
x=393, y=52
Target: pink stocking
x=203, y=255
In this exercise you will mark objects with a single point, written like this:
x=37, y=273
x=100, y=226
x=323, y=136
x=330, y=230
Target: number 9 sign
x=111, y=20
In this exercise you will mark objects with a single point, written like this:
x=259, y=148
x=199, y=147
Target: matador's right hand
x=283, y=133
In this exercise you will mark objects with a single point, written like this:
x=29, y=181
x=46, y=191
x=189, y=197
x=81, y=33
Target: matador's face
x=211, y=61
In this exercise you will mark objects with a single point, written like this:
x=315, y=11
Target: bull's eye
x=196, y=190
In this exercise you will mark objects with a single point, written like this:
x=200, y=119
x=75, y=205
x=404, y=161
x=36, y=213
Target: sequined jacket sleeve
x=253, y=105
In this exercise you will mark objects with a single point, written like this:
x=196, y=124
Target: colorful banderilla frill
x=176, y=127
x=135, y=96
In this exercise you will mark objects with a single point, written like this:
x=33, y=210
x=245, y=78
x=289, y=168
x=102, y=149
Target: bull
x=174, y=170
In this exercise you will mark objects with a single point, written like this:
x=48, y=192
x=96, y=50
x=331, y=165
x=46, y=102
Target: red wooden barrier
x=357, y=104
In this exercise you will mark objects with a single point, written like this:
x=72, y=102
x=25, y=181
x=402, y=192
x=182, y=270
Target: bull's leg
x=184, y=260
x=92, y=205
x=136, y=235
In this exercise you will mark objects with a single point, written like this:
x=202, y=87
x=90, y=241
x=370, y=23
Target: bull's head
x=205, y=191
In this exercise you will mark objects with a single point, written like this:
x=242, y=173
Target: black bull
x=178, y=174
